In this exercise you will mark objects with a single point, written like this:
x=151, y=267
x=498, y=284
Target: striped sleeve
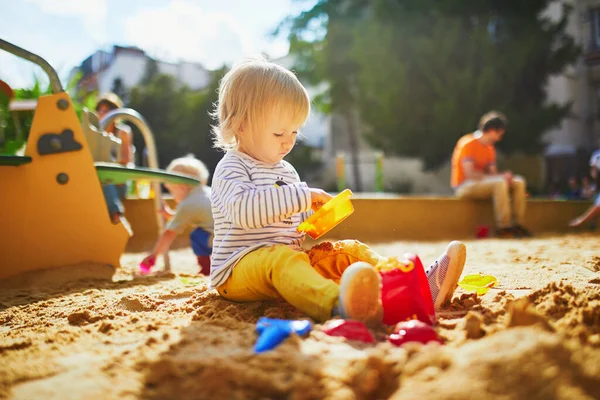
x=306, y=214
x=247, y=207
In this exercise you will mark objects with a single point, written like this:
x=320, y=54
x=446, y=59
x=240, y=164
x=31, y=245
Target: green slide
x=117, y=174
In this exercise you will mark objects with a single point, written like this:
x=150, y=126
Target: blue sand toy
x=274, y=331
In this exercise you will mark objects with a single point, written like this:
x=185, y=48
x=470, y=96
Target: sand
x=536, y=336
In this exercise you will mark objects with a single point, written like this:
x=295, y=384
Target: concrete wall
x=434, y=218
x=406, y=175
x=390, y=218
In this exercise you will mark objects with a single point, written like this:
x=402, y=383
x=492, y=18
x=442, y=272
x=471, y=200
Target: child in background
x=115, y=194
x=258, y=202
x=588, y=189
x=193, y=209
x=573, y=189
x=592, y=213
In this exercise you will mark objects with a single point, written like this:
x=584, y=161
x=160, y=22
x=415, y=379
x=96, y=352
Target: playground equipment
x=52, y=209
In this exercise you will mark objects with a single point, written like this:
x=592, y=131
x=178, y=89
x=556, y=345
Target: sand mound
x=519, y=363
x=576, y=312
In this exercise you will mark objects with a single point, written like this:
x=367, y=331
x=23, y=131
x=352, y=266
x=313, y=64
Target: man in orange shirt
x=475, y=176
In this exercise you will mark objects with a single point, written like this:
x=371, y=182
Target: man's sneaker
x=444, y=273
x=506, y=233
x=360, y=294
x=521, y=231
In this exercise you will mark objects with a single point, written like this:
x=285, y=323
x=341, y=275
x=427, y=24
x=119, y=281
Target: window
x=597, y=99
x=595, y=22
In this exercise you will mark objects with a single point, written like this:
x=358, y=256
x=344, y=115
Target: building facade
x=570, y=144
x=126, y=66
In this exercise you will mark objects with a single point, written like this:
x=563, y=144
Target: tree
x=425, y=70
x=328, y=58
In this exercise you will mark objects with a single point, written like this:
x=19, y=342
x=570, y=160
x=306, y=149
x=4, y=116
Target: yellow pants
x=307, y=280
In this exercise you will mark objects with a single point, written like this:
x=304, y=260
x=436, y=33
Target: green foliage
x=15, y=133
x=421, y=72
x=81, y=99
x=15, y=126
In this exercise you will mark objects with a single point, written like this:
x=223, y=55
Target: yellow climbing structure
x=52, y=209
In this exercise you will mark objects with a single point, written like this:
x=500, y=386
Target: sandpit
x=536, y=336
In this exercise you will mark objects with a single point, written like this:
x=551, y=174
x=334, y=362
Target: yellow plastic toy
x=327, y=217
x=478, y=283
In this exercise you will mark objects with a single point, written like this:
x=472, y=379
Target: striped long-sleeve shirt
x=254, y=205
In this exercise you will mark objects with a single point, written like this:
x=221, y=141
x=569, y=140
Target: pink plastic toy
x=146, y=267
x=413, y=331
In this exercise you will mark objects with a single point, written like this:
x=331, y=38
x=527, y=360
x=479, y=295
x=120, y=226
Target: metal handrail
x=130, y=115
x=37, y=60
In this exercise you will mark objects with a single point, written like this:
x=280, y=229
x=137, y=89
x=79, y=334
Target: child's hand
x=319, y=197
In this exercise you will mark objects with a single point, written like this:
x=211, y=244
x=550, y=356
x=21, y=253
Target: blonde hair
x=190, y=165
x=110, y=99
x=249, y=93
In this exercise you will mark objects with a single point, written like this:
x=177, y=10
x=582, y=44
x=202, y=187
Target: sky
x=212, y=32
